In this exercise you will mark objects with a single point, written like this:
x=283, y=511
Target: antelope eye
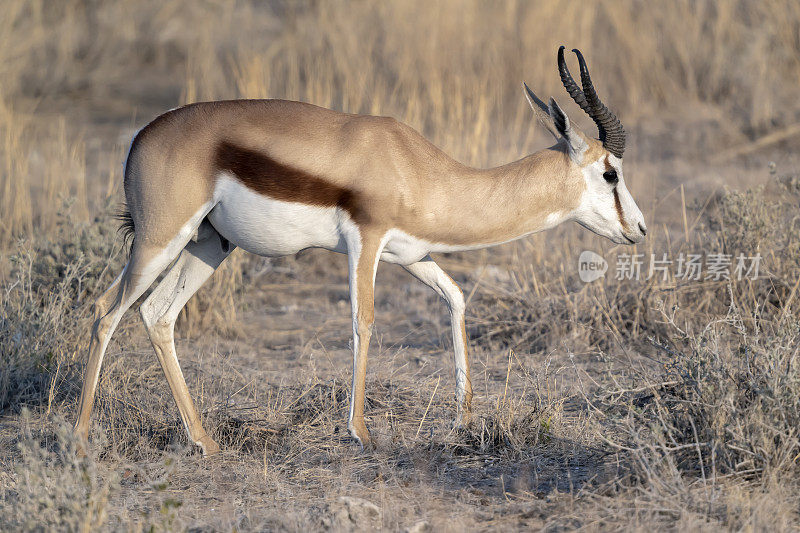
x=611, y=176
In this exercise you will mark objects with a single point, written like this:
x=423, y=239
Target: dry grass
x=613, y=405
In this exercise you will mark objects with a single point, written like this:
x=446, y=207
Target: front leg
x=433, y=276
x=363, y=251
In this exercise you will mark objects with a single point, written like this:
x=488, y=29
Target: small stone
x=348, y=513
x=419, y=527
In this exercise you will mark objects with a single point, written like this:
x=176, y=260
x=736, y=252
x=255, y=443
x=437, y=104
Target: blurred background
x=689, y=79
x=619, y=404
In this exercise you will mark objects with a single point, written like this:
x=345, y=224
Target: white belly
x=273, y=228
x=403, y=249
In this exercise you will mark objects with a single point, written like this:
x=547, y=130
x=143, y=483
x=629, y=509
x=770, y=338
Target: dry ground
x=615, y=405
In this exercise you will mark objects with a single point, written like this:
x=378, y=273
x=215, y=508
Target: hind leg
x=100, y=330
x=433, y=276
x=145, y=264
x=194, y=266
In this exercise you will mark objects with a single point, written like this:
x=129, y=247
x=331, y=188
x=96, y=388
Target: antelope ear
x=575, y=141
x=541, y=110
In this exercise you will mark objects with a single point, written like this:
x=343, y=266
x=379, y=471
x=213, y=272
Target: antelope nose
x=642, y=228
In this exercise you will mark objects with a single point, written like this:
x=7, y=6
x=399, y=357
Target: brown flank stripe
x=262, y=174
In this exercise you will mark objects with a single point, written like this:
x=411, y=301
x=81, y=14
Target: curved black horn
x=612, y=135
x=611, y=132
x=569, y=84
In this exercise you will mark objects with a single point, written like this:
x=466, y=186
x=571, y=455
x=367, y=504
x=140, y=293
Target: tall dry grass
x=692, y=413
x=450, y=69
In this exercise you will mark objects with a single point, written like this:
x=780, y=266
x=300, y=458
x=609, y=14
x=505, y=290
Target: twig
x=642, y=389
x=685, y=221
x=428, y=407
x=786, y=306
x=508, y=374
x=614, y=444
x=475, y=287
x=766, y=140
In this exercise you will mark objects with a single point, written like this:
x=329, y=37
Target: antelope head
x=606, y=206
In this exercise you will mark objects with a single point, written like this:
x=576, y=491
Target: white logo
x=591, y=266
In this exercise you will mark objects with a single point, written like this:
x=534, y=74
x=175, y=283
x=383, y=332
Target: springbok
x=275, y=177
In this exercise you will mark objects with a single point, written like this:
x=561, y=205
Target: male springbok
x=275, y=177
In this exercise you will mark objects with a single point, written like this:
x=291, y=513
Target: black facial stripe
x=618, y=207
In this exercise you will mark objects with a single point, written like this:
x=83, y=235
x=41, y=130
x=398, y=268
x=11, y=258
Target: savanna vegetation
x=622, y=404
